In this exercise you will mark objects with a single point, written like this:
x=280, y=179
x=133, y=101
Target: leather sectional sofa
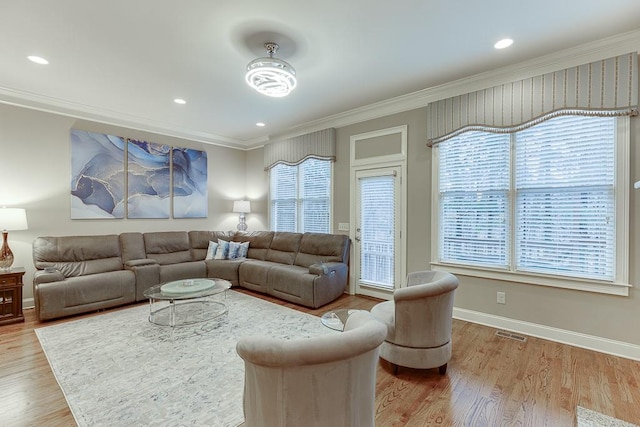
x=78, y=274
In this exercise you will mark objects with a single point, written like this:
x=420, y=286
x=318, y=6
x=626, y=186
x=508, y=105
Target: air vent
x=511, y=335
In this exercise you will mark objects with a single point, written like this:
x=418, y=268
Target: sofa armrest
x=140, y=262
x=42, y=276
x=326, y=268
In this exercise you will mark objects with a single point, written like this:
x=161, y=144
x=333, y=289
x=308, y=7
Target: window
x=301, y=197
x=541, y=201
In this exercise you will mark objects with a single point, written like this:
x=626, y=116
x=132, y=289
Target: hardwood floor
x=491, y=381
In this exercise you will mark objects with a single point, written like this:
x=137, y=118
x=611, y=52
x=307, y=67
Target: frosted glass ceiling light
x=271, y=76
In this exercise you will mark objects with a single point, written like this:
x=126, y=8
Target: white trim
x=576, y=339
x=28, y=303
x=621, y=289
x=391, y=161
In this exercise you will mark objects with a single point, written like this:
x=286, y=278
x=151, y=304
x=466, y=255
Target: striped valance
x=607, y=87
x=292, y=151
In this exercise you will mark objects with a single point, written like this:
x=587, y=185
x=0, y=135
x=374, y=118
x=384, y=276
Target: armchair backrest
x=327, y=380
x=424, y=309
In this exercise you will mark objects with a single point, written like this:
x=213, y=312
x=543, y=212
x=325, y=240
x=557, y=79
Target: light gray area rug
x=588, y=418
x=117, y=369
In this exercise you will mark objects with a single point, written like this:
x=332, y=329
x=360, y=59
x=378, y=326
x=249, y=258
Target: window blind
x=565, y=203
x=377, y=224
x=300, y=196
x=474, y=199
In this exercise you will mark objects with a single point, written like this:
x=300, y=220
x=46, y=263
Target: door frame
x=397, y=159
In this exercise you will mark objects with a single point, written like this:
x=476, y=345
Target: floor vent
x=511, y=335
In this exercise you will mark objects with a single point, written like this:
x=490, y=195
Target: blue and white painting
x=148, y=179
x=97, y=175
x=189, y=183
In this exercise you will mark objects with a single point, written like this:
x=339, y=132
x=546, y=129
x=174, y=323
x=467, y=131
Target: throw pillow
x=243, y=250
x=223, y=249
x=211, y=250
x=233, y=250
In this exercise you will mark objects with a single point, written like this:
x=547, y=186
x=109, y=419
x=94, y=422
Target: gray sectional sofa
x=78, y=274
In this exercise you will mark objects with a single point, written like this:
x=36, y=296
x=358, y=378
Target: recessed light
x=501, y=44
x=180, y=101
x=37, y=59
x=260, y=124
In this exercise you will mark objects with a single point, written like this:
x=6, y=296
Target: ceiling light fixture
x=501, y=44
x=271, y=76
x=37, y=59
x=260, y=124
x=180, y=101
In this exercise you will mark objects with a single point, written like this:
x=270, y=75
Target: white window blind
x=560, y=216
x=377, y=223
x=301, y=196
x=474, y=205
x=565, y=199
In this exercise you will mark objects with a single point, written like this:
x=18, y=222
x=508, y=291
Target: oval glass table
x=185, y=302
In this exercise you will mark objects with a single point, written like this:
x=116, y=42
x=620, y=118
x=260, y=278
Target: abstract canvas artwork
x=189, y=183
x=148, y=179
x=97, y=175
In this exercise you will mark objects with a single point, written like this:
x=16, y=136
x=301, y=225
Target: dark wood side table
x=11, y=296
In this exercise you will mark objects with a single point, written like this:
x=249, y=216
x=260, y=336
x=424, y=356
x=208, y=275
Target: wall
x=36, y=175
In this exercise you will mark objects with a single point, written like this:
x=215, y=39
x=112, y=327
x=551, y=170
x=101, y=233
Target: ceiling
x=123, y=62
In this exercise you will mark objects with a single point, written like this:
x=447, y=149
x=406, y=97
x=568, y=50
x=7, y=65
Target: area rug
x=588, y=418
x=117, y=369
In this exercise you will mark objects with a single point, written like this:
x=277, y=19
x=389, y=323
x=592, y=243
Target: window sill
x=620, y=289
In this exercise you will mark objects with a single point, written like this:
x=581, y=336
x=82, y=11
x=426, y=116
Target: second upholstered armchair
x=327, y=380
x=419, y=321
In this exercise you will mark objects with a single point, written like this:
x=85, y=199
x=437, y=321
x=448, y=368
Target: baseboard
x=28, y=303
x=576, y=339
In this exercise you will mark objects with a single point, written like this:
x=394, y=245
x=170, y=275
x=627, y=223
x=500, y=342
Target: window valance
x=292, y=151
x=602, y=88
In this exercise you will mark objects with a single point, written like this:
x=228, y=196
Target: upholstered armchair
x=418, y=321
x=328, y=380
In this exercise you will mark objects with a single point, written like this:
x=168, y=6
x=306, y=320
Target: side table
x=11, y=295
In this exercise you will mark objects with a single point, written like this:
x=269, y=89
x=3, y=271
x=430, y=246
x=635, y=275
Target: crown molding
x=571, y=57
x=594, y=51
x=114, y=118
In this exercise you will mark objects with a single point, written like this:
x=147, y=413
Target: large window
x=300, y=197
x=541, y=201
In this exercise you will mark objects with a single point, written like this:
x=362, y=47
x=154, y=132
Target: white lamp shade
x=242, y=206
x=13, y=219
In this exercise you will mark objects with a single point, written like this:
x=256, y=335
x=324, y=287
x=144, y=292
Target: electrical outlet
x=343, y=226
x=501, y=298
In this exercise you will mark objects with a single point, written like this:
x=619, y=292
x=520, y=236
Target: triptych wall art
x=114, y=177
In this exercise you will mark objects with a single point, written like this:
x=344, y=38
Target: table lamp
x=10, y=219
x=242, y=207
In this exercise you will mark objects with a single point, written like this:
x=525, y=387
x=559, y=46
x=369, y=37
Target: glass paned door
x=377, y=230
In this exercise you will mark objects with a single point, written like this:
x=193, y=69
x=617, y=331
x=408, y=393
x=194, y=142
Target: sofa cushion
x=78, y=255
x=222, y=250
x=253, y=274
x=226, y=269
x=168, y=247
x=284, y=247
x=211, y=250
x=132, y=246
x=183, y=270
x=318, y=247
x=199, y=241
x=259, y=242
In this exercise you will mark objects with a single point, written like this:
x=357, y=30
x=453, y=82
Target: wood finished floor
x=491, y=381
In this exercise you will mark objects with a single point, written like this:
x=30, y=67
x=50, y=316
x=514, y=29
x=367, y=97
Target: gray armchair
x=328, y=380
x=418, y=321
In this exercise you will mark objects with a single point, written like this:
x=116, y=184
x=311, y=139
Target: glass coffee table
x=185, y=302
x=336, y=319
